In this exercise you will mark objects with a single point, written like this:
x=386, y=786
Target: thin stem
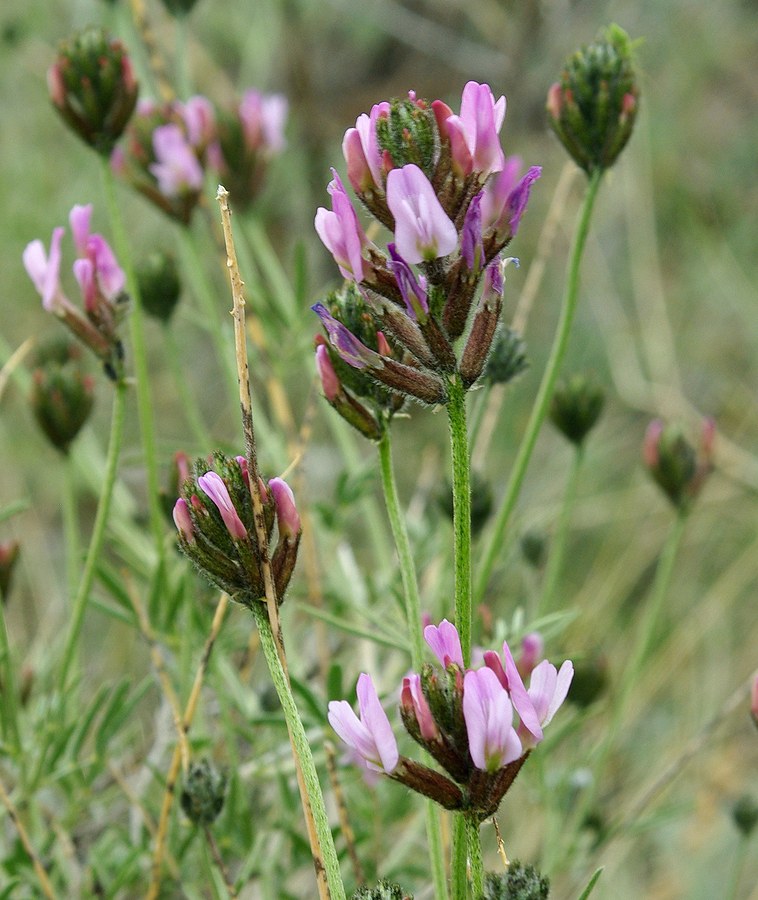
x=475, y=857
x=39, y=870
x=459, y=862
x=218, y=860
x=141, y=368
x=98, y=533
x=413, y=616
x=545, y=391
x=558, y=545
x=11, y=732
x=456, y=411
x=71, y=527
x=302, y=752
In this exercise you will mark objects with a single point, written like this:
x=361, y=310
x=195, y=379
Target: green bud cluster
x=384, y=890
x=520, y=882
x=203, y=794
x=410, y=135
x=62, y=394
x=159, y=284
x=507, y=359
x=575, y=408
x=593, y=107
x=93, y=87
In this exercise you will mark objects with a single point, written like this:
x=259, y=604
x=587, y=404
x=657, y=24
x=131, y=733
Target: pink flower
x=97, y=270
x=412, y=698
x=445, y=643
x=199, y=119
x=213, y=485
x=176, y=169
x=547, y=691
x=330, y=382
x=423, y=230
x=353, y=351
x=511, y=680
x=44, y=271
x=370, y=736
x=263, y=117
x=474, y=142
x=532, y=649
x=341, y=232
x=506, y=196
x=287, y=518
x=183, y=520
x=361, y=150
x=488, y=714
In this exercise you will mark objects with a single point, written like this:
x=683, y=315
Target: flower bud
x=534, y=548
x=203, y=794
x=593, y=107
x=576, y=407
x=384, y=890
x=9, y=551
x=676, y=467
x=409, y=135
x=519, y=882
x=507, y=359
x=62, y=394
x=745, y=814
x=92, y=86
x=159, y=284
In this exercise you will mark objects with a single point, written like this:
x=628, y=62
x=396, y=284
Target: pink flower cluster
x=491, y=721
x=101, y=282
x=440, y=182
x=169, y=147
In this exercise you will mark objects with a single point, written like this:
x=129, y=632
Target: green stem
x=545, y=392
x=98, y=534
x=459, y=862
x=456, y=410
x=11, y=732
x=475, y=856
x=181, y=61
x=302, y=752
x=558, y=548
x=71, y=527
x=141, y=368
x=413, y=616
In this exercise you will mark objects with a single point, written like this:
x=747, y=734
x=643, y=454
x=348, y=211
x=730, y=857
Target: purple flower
x=199, y=119
x=412, y=698
x=505, y=197
x=474, y=142
x=287, y=518
x=213, y=485
x=263, y=117
x=341, y=232
x=355, y=354
x=97, y=269
x=445, y=643
x=362, y=152
x=183, y=520
x=370, y=736
x=44, y=271
x=488, y=714
x=423, y=230
x=412, y=290
x=176, y=169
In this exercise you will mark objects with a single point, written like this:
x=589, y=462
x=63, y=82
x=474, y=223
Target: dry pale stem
x=346, y=829
x=246, y=409
x=155, y=58
x=176, y=759
x=14, y=361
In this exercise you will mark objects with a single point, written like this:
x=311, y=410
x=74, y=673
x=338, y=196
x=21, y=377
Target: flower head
x=473, y=135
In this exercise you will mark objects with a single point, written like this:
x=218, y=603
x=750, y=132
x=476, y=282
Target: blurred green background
x=668, y=322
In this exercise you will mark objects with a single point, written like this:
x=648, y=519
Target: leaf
x=591, y=885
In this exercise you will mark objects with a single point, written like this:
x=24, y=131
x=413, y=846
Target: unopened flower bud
x=593, y=107
x=676, y=466
x=287, y=518
x=9, y=551
x=62, y=393
x=507, y=359
x=93, y=87
x=745, y=814
x=203, y=793
x=576, y=407
x=520, y=882
x=534, y=548
x=384, y=890
x=409, y=135
x=159, y=284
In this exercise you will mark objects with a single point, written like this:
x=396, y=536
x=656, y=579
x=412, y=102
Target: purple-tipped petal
x=355, y=353
x=412, y=290
x=519, y=198
x=287, y=518
x=423, y=230
x=488, y=714
x=472, y=248
x=445, y=643
x=213, y=485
